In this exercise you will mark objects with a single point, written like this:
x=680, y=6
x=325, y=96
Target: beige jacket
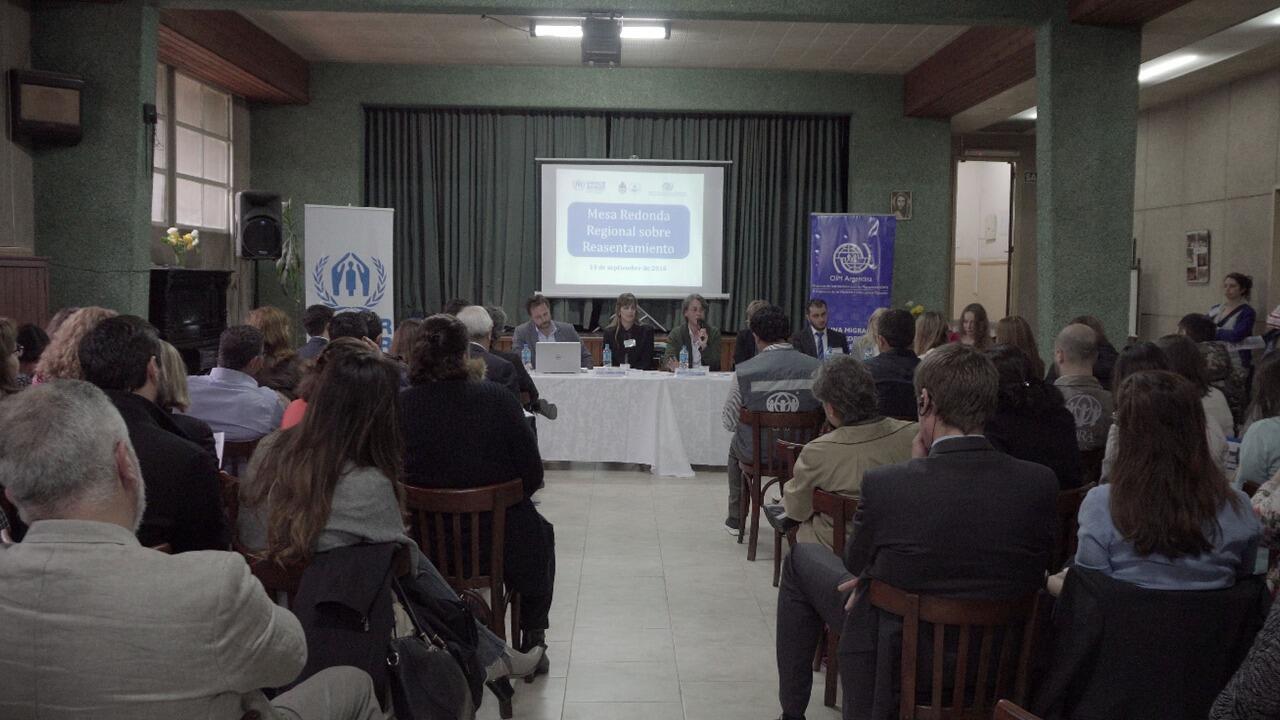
x=835, y=462
x=93, y=625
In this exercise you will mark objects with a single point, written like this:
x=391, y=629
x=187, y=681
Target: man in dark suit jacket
x=184, y=500
x=816, y=339
x=894, y=369
x=958, y=520
x=316, y=321
x=479, y=329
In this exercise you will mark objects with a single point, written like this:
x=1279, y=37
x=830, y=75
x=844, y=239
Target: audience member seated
x=1224, y=368
x=172, y=397
x=1147, y=356
x=459, y=433
x=629, y=341
x=1260, y=443
x=33, y=340
x=1253, y=693
x=59, y=317
x=349, y=325
x=95, y=625
x=453, y=306
x=1234, y=316
x=523, y=380
x=61, y=360
x=1074, y=354
x=229, y=398
x=1031, y=421
x=778, y=377
x=893, y=367
x=815, y=338
x=281, y=367
x=184, y=502
x=1107, y=354
x=10, y=351
x=867, y=346
x=862, y=439
x=373, y=329
x=1185, y=359
x=329, y=482
x=406, y=334
x=744, y=343
x=311, y=377
x=975, y=328
x=931, y=333
x=958, y=520
x=1015, y=331
x=701, y=340
x=315, y=320
x=479, y=333
x=542, y=328
x=1166, y=519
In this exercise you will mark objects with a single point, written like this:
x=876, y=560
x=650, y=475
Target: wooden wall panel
x=224, y=49
x=24, y=288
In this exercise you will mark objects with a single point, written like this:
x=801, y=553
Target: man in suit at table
x=479, y=330
x=541, y=328
x=94, y=625
x=958, y=520
x=816, y=339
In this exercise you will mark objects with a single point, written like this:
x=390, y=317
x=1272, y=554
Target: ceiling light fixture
x=559, y=29
x=646, y=32
x=1165, y=66
x=1028, y=114
x=572, y=28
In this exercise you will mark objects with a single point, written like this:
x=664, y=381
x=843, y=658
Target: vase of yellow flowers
x=181, y=243
x=915, y=308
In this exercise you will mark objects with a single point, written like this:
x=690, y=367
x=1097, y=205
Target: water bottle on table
x=684, y=357
x=526, y=358
x=608, y=355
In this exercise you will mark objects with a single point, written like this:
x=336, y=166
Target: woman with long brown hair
x=1168, y=519
x=931, y=332
x=61, y=360
x=281, y=367
x=329, y=482
x=628, y=341
x=975, y=328
x=1016, y=331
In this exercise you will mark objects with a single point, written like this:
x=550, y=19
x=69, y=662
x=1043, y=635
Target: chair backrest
x=1091, y=465
x=840, y=509
x=280, y=581
x=235, y=456
x=1006, y=710
x=997, y=669
x=444, y=519
x=787, y=453
x=1064, y=545
x=769, y=427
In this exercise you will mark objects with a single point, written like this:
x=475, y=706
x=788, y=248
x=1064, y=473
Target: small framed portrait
x=1198, y=242
x=900, y=204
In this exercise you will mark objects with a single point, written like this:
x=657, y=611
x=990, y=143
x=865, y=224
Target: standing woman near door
x=1234, y=316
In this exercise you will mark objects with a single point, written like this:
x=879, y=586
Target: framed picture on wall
x=1198, y=257
x=900, y=204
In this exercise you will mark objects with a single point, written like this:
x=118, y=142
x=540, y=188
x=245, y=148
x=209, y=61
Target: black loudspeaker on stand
x=259, y=227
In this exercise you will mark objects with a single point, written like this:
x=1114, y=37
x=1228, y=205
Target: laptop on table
x=557, y=357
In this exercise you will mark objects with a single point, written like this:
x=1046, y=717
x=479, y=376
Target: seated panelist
x=628, y=340
x=702, y=342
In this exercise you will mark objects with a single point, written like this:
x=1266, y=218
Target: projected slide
x=654, y=230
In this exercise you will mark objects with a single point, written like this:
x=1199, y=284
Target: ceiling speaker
x=601, y=41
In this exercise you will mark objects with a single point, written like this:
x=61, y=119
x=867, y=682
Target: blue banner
x=851, y=267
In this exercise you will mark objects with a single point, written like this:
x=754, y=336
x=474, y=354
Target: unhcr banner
x=851, y=267
x=348, y=256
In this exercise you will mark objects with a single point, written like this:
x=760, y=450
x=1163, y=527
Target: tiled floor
x=657, y=614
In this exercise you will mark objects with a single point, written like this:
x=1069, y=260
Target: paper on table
x=218, y=439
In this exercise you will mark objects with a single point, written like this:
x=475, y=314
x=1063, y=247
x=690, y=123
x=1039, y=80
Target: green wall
x=314, y=153
x=93, y=200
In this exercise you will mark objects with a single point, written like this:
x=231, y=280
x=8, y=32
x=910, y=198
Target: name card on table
x=609, y=371
x=691, y=372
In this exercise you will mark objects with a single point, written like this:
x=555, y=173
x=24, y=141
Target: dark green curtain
x=463, y=187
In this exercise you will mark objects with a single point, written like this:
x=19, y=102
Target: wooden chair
x=767, y=428
x=235, y=456
x=280, y=581
x=841, y=510
x=788, y=452
x=1006, y=710
x=1016, y=618
x=437, y=517
x=1064, y=545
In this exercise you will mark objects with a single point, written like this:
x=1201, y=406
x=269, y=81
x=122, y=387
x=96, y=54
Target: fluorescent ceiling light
x=1028, y=114
x=645, y=32
x=1167, y=65
x=557, y=29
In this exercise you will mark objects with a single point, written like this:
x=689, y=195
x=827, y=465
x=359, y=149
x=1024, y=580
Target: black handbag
x=426, y=681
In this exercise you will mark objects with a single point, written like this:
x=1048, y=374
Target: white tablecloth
x=652, y=418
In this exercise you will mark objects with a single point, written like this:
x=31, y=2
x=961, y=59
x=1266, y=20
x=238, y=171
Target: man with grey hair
x=93, y=624
x=1075, y=352
x=480, y=333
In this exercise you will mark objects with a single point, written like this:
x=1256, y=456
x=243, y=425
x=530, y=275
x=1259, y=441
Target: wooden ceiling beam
x=224, y=49
x=986, y=61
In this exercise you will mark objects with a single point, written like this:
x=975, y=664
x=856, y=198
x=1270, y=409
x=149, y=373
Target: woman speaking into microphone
x=629, y=342
x=701, y=342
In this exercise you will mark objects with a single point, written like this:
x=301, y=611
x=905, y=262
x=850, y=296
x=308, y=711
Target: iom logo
x=852, y=259
x=782, y=402
x=349, y=283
